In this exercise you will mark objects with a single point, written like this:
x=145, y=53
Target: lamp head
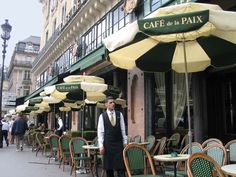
x=6, y=28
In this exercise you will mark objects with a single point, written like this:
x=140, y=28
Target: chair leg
x=43, y=150
x=102, y=173
x=72, y=168
x=49, y=159
x=37, y=150
x=63, y=165
x=90, y=167
x=60, y=161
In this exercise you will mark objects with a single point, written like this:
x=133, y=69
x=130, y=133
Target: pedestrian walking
x=112, y=139
x=5, y=129
x=11, y=137
x=1, y=137
x=18, y=130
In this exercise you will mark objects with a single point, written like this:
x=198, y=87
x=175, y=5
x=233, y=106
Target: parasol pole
x=187, y=96
x=83, y=112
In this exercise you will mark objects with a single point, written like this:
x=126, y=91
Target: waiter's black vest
x=113, y=143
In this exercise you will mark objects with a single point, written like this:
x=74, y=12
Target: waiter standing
x=112, y=139
x=59, y=130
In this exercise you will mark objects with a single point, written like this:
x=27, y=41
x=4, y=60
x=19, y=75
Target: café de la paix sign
x=174, y=23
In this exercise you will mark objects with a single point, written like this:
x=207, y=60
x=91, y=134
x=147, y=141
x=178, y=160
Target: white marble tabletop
x=94, y=147
x=229, y=169
x=169, y=158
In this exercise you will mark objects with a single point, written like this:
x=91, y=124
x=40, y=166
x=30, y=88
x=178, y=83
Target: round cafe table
x=95, y=148
x=229, y=169
x=169, y=158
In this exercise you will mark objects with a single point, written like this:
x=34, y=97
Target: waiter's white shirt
x=60, y=123
x=5, y=126
x=100, y=129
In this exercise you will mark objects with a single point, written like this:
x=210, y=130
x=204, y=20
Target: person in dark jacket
x=112, y=139
x=18, y=130
x=1, y=136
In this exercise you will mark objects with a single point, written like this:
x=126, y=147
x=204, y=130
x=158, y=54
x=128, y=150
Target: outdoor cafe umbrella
x=26, y=109
x=81, y=87
x=185, y=38
x=78, y=89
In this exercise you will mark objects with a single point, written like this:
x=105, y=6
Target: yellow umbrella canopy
x=84, y=78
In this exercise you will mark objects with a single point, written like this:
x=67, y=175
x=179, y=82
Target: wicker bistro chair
x=152, y=142
x=181, y=166
x=64, y=150
x=159, y=147
x=54, y=146
x=41, y=144
x=217, y=152
x=79, y=154
x=137, y=139
x=202, y=165
x=34, y=143
x=129, y=139
x=211, y=141
x=173, y=142
x=183, y=143
x=231, y=153
x=135, y=158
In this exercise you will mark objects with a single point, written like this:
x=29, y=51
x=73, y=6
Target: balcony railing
x=73, y=11
x=23, y=63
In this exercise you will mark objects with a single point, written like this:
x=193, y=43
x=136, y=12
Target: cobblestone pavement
x=26, y=164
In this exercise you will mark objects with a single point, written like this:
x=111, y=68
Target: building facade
x=71, y=43
x=19, y=72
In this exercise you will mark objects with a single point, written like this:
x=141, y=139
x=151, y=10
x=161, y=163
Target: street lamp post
x=6, y=28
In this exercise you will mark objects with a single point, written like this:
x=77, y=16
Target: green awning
x=89, y=60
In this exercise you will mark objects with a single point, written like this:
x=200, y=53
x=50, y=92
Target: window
x=43, y=77
x=115, y=21
x=46, y=37
x=49, y=7
x=29, y=47
x=175, y=103
x=63, y=14
x=27, y=75
x=110, y=23
x=54, y=26
x=230, y=105
x=89, y=121
x=21, y=46
x=26, y=92
x=38, y=82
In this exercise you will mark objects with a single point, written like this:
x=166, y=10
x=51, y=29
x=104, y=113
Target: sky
x=25, y=17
